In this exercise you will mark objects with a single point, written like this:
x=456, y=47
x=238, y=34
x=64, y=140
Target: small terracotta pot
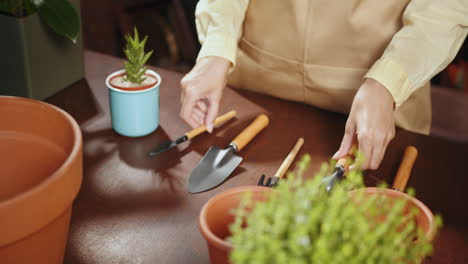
x=216, y=217
x=424, y=218
x=40, y=175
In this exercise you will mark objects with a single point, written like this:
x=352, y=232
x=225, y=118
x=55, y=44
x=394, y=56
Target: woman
x=372, y=59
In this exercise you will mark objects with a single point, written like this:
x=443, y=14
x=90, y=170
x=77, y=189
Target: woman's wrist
x=385, y=95
x=219, y=63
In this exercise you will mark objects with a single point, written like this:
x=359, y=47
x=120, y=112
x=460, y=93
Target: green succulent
x=302, y=223
x=136, y=58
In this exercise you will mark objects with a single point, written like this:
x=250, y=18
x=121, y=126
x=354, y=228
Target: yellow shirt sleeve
x=219, y=27
x=432, y=33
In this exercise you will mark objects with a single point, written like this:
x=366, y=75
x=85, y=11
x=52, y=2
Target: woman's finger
x=188, y=104
x=383, y=148
x=202, y=105
x=213, y=107
x=378, y=150
x=197, y=120
x=365, y=147
x=199, y=114
x=347, y=140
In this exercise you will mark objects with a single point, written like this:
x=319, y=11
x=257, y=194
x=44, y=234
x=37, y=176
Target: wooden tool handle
x=289, y=159
x=404, y=171
x=197, y=131
x=250, y=132
x=347, y=160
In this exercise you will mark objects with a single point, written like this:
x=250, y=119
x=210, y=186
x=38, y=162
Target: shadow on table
x=134, y=151
x=105, y=150
x=111, y=184
x=78, y=100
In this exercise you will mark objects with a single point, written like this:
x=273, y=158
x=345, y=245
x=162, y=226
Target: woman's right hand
x=202, y=89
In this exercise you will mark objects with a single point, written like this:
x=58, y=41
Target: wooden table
x=135, y=209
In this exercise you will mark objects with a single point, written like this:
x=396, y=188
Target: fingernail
x=336, y=155
x=209, y=128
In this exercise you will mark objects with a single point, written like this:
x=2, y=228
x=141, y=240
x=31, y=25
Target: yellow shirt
x=431, y=34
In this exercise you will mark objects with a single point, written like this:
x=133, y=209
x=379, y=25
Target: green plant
x=302, y=223
x=136, y=58
x=58, y=14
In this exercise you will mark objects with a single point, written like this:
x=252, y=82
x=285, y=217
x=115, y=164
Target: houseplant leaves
x=61, y=17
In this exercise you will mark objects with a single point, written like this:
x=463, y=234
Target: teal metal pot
x=134, y=113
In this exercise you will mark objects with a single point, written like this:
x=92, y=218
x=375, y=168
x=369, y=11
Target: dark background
x=169, y=24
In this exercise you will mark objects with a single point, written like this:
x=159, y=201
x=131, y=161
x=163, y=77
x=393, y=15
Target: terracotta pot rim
x=424, y=209
x=203, y=225
x=77, y=142
x=133, y=91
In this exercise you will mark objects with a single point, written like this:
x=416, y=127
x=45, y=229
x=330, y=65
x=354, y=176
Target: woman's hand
x=202, y=90
x=371, y=119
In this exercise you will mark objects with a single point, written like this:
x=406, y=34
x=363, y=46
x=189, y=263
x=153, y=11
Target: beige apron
x=318, y=51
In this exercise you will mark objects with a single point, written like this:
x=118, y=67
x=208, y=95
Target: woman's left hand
x=372, y=120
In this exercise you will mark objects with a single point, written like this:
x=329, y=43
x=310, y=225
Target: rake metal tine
x=268, y=183
x=260, y=182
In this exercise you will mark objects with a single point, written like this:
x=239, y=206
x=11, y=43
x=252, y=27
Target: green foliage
x=57, y=14
x=136, y=58
x=302, y=223
x=18, y=8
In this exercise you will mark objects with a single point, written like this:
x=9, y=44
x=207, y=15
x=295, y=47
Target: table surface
x=135, y=209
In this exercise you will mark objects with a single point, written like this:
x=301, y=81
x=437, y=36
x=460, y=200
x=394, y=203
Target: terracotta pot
x=40, y=175
x=215, y=219
x=424, y=218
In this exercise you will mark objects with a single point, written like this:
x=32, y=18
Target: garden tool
x=340, y=168
x=271, y=182
x=189, y=135
x=424, y=218
x=404, y=171
x=218, y=164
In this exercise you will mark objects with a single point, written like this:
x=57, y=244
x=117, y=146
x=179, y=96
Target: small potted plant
x=134, y=92
x=41, y=47
x=300, y=222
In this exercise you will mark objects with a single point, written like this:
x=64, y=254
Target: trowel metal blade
x=213, y=169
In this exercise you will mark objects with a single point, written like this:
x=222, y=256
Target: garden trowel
x=189, y=135
x=218, y=164
x=341, y=167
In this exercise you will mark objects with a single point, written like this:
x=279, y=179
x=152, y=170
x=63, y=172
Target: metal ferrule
x=181, y=139
x=234, y=146
x=340, y=170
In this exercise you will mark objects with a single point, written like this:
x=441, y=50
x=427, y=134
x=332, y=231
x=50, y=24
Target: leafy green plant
x=302, y=223
x=58, y=14
x=136, y=58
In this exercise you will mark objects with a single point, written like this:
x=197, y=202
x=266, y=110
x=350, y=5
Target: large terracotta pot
x=216, y=217
x=424, y=218
x=40, y=175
